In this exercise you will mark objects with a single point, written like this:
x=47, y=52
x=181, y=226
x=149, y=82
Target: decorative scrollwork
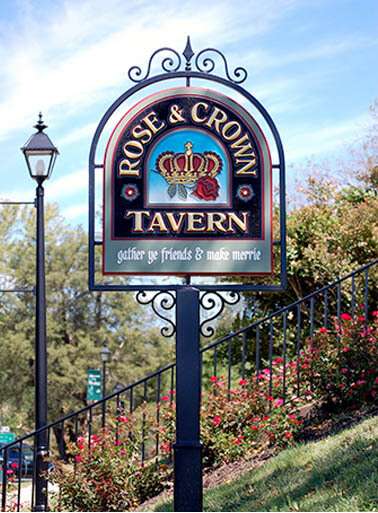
x=169, y=64
x=203, y=63
x=214, y=303
x=160, y=302
x=206, y=64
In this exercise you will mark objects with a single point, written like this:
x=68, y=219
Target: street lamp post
x=120, y=404
x=40, y=155
x=105, y=354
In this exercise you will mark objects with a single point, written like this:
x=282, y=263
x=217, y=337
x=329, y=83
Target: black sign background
x=122, y=227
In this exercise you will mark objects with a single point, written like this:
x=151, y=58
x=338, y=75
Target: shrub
x=108, y=475
x=342, y=362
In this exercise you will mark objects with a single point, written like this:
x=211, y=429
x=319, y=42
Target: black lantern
x=105, y=354
x=40, y=153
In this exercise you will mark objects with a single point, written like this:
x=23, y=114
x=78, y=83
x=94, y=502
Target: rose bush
x=107, y=474
x=338, y=367
x=341, y=363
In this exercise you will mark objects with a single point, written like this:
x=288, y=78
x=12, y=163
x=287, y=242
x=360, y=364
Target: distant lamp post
x=120, y=404
x=40, y=155
x=106, y=355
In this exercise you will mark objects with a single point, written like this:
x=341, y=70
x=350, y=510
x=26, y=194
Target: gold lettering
x=241, y=223
x=151, y=123
x=195, y=115
x=138, y=218
x=142, y=133
x=127, y=168
x=228, y=126
x=248, y=164
x=133, y=144
x=176, y=115
x=242, y=148
x=214, y=118
x=175, y=225
x=193, y=219
x=157, y=222
x=215, y=220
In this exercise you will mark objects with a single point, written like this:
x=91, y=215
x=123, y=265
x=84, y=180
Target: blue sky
x=312, y=63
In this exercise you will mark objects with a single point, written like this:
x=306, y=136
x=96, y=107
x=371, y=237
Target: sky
x=312, y=63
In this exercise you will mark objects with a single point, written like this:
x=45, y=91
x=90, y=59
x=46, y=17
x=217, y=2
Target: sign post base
x=188, y=449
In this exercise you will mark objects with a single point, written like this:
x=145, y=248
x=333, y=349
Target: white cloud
x=261, y=59
x=328, y=138
x=78, y=134
x=74, y=212
x=87, y=48
x=68, y=185
x=57, y=188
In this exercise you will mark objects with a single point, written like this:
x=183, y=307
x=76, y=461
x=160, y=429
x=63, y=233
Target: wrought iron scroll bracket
x=162, y=303
x=204, y=63
x=212, y=305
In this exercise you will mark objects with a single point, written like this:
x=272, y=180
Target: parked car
x=20, y=464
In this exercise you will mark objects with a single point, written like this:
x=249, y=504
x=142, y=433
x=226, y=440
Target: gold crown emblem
x=186, y=168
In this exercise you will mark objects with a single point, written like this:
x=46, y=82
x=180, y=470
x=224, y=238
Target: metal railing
x=243, y=353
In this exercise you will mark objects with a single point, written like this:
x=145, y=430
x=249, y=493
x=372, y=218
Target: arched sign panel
x=187, y=188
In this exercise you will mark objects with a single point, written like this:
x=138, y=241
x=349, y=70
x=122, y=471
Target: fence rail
x=243, y=353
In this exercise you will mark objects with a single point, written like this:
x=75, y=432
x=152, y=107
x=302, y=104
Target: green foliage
x=333, y=232
x=78, y=321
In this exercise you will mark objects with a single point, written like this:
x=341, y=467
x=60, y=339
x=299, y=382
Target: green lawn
x=339, y=473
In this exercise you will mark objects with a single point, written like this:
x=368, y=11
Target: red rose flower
x=323, y=330
x=207, y=189
x=217, y=420
x=165, y=447
x=346, y=317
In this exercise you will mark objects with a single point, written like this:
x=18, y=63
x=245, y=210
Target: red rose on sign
x=207, y=189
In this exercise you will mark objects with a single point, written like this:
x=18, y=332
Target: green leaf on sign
x=182, y=191
x=172, y=190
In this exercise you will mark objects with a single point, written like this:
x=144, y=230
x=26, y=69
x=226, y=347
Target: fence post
x=188, y=449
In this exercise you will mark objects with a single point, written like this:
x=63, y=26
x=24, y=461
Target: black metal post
x=188, y=449
x=103, y=392
x=40, y=361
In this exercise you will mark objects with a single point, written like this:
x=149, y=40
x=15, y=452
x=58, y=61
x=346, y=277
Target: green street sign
x=94, y=385
x=7, y=438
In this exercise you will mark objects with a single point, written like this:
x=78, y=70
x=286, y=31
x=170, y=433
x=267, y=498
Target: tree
x=78, y=321
x=334, y=231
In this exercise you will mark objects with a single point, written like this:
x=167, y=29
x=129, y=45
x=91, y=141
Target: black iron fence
x=246, y=352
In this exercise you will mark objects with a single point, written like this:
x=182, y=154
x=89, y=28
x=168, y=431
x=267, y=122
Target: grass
x=339, y=473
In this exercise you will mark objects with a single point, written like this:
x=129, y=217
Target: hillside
x=339, y=473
